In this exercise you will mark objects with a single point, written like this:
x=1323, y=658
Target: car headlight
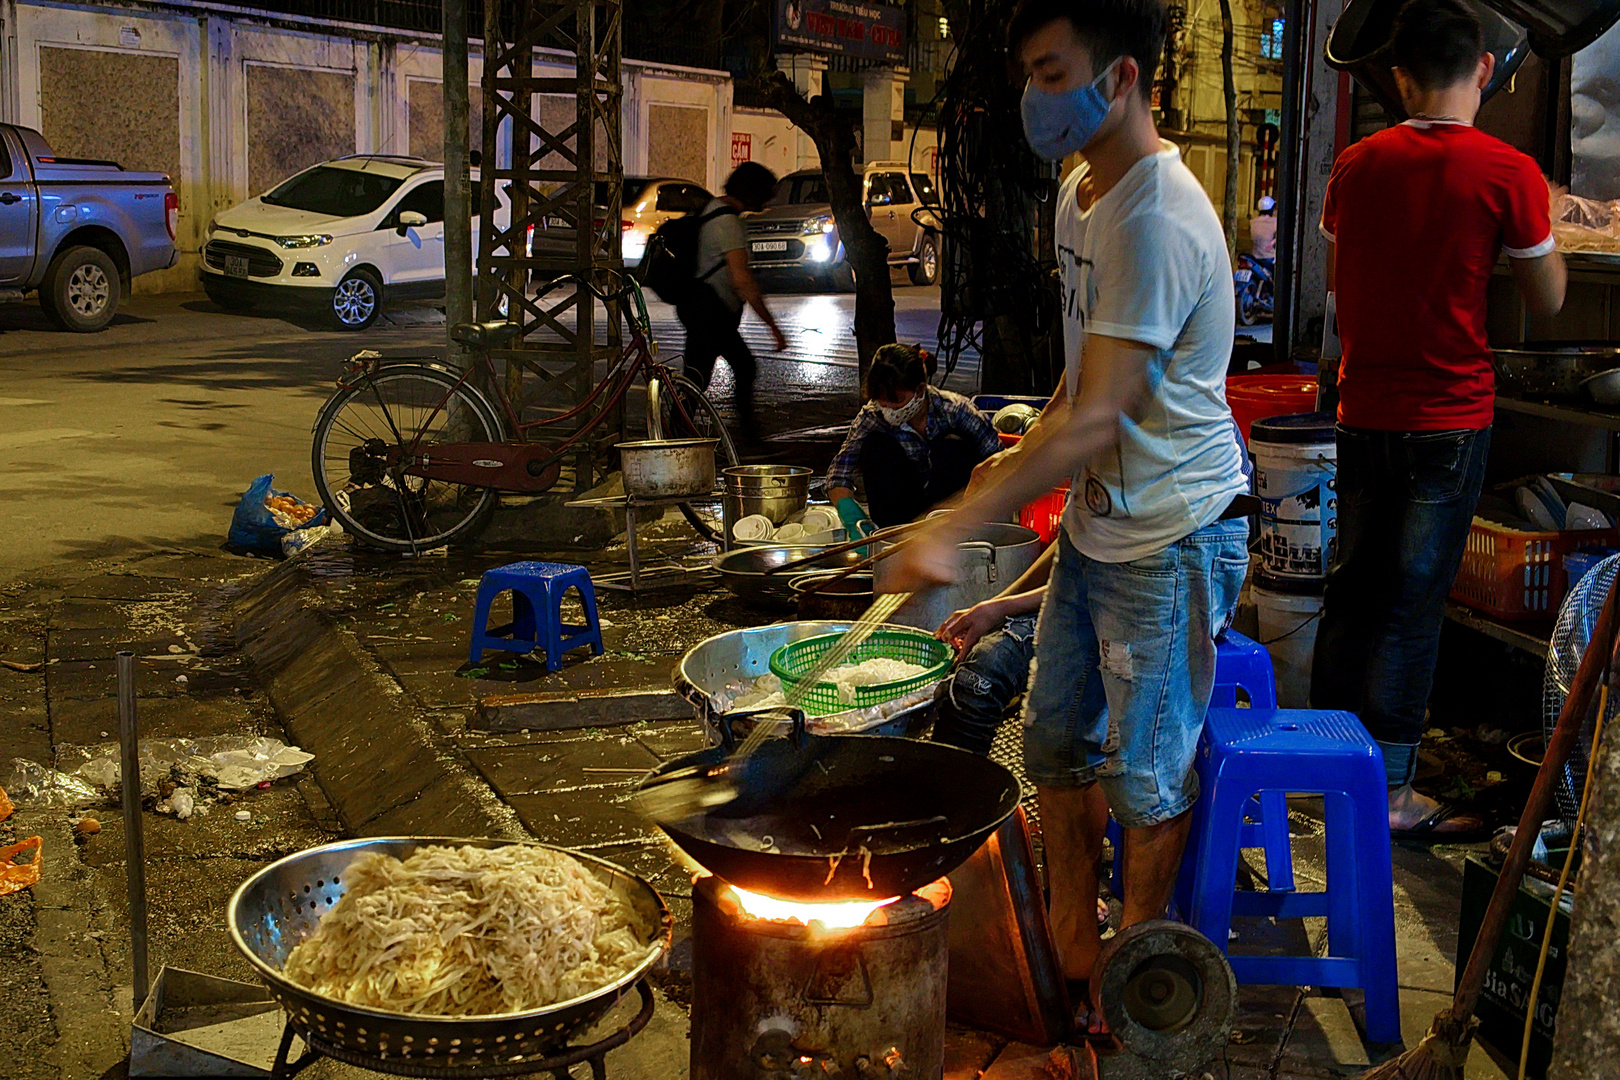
x=303, y=241
x=820, y=224
x=213, y=227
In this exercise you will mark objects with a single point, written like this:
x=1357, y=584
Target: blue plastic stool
x=1240, y=665
x=1303, y=750
x=537, y=591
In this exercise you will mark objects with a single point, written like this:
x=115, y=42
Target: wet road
x=143, y=437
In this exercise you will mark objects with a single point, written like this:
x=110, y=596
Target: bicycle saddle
x=485, y=335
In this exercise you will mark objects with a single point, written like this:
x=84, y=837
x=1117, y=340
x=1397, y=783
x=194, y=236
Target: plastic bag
x=299, y=539
x=264, y=515
x=35, y=785
x=15, y=876
x=233, y=762
x=1586, y=224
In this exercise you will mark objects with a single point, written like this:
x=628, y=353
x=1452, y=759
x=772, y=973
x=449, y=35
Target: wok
x=842, y=817
x=743, y=570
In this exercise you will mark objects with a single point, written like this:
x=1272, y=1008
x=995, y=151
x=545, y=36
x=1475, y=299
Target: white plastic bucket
x=1288, y=624
x=1295, y=477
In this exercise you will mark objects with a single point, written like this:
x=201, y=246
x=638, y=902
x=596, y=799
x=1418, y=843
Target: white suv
x=341, y=237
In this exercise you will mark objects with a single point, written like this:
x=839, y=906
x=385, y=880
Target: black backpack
x=670, y=267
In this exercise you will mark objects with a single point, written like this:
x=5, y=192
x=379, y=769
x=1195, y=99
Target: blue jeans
x=1406, y=499
x=972, y=700
x=1124, y=666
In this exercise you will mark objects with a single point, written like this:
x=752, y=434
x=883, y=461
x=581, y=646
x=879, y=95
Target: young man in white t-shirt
x=1153, y=551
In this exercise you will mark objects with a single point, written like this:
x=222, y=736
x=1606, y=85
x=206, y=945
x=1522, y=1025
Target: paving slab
x=572, y=821
x=614, y=764
x=563, y=709
x=95, y=720
x=968, y=1052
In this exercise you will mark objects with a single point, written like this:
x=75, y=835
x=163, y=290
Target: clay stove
x=841, y=991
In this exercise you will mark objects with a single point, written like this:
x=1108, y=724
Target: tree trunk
x=865, y=248
x=1234, y=129
x=1587, y=1042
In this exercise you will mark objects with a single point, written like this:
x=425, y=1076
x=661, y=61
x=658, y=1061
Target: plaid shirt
x=947, y=413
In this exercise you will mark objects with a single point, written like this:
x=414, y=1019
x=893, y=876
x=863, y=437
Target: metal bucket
x=1357, y=45
x=775, y=491
x=667, y=468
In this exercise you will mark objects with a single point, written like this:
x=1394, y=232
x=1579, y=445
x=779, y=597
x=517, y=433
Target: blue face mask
x=1060, y=124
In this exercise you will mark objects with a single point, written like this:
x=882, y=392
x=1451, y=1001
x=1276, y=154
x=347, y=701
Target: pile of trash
x=178, y=776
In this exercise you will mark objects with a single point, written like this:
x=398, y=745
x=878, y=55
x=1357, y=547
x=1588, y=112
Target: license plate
x=1242, y=275
x=236, y=265
x=769, y=245
x=556, y=223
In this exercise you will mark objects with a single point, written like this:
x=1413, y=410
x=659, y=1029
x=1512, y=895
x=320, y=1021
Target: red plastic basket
x=1045, y=514
x=1518, y=574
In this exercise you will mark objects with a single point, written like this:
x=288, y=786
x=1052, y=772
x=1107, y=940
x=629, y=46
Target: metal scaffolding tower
x=553, y=155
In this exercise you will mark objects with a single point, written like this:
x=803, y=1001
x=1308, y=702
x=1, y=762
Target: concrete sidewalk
x=362, y=660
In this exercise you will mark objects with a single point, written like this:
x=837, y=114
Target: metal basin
x=845, y=599
x=667, y=468
x=1552, y=369
x=710, y=666
x=1360, y=36
x=743, y=571
x=279, y=906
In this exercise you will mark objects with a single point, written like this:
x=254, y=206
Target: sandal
x=1087, y=1024
x=1428, y=830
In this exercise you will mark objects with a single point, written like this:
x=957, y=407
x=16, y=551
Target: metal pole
x=134, y=843
x=1290, y=166
x=458, y=253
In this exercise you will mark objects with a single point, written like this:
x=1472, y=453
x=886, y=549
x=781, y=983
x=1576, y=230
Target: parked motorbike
x=1255, y=289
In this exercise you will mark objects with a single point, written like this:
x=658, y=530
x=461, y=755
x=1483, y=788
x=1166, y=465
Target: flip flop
x=1086, y=1017
x=1427, y=831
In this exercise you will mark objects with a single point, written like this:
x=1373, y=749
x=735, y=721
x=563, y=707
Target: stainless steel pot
x=665, y=468
x=1552, y=369
x=776, y=491
x=845, y=599
x=994, y=557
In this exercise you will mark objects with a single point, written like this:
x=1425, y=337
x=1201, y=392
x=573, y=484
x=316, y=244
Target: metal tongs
x=682, y=793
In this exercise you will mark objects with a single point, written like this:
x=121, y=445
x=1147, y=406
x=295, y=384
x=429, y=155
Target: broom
x=1441, y=1054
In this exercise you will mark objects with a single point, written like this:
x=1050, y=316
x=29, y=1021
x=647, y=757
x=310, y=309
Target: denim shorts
x=1124, y=665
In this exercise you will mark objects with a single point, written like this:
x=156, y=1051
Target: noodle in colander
x=470, y=931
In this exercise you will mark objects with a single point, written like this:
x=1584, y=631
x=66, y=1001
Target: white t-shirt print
x=1148, y=263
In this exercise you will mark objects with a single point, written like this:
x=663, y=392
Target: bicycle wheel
x=677, y=409
x=360, y=428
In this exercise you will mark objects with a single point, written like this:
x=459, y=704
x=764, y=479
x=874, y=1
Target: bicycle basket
x=795, y=659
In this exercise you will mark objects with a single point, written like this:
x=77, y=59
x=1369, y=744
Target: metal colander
x=279, y=906
x=796, y=659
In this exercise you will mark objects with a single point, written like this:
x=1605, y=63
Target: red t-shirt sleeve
x=1527, y=217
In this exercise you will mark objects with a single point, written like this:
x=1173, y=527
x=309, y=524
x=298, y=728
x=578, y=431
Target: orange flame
x=838, y=914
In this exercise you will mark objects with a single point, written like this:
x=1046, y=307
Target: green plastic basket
x=794, y=660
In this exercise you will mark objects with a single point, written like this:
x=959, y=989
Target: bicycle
x=410, y=454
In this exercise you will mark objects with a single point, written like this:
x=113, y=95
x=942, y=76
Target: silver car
x=795, y=235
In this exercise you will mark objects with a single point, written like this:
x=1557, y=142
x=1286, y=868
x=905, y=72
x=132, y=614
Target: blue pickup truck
x=78, y=231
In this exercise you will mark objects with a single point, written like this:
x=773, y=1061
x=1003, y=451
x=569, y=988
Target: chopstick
x=848, y=545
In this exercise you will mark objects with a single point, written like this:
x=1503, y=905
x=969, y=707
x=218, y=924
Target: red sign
x=742, y=148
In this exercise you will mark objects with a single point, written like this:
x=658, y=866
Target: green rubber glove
x=856, y=523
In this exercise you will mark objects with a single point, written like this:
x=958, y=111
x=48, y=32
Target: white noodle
x=470, y=931
x=766, y=692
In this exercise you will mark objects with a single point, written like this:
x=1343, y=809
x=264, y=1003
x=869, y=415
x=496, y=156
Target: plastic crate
x=1045, y=514
x=1513, y=573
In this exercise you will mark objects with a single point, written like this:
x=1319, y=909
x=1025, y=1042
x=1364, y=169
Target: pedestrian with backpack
x=710, y=304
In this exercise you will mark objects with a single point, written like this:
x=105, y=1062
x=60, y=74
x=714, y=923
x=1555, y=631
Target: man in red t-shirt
x=1416, y=216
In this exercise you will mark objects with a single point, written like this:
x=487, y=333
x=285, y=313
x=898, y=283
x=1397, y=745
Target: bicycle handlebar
x=605, y=297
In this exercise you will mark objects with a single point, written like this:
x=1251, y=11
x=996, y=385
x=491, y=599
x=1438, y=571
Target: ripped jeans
x=1124, y=667
x=972, y=701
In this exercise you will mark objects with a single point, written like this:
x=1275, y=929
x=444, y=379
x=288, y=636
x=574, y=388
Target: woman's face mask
x=900, y=415
x=1061, y=123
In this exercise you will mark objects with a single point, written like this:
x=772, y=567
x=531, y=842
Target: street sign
x=865, y=31
x=742, y=147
